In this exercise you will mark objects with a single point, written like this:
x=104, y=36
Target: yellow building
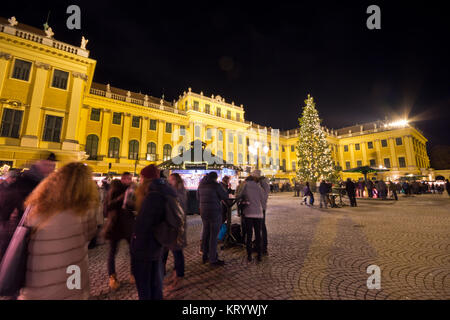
x=49, y=102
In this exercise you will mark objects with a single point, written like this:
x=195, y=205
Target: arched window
x=133, y=150
x=240, y=158
x=151, y=151
x=167, y=152
x=230, y=157
x=91, y=147
x=114, y=147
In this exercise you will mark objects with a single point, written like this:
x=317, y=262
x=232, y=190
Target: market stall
x=193, y=164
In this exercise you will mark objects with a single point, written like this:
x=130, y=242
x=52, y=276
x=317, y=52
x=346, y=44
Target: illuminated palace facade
x=48, y=102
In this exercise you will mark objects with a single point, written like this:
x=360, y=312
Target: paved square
x=318, y=254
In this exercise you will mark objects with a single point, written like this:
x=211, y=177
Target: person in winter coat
x=146, y=251
x=265, y=186
x=382, y=188
x=210, y=194
x=307, y=193
x=62, y=219
x=350, y=188
x=175, y=279
x=253, y=213
x=323, y=190
x=118, y=226
x=12, y=199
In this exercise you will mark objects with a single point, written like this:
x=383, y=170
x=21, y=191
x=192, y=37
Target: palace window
x=230, y=137
x=346, y=148
x=95, y=114
x=218, y=112
x=136, y=122
x=398, y=141
x=113, y=148
x=238, y=117
x=240, y=158
x=152, y=124
x=185, y=105
x=168, y=127
x=167, y=152
x=370, y=145
x=220, y=154
x=133, y=150
x=402, y=162
x=207, y=108
x=91, y=147
x=293, y=165
x=347, y=165
x=197, y=131
x=230, y=157
x=357, y=146
x=282, y=148
x=220, y=135
x=292, y=148
x=151, y=151
x=359, y=163
x=52, y=128
x=384, y=143
x=196, y=105
x=372, y=162
x=21, y=70
x=182, y=130
x=11, y=121
x=284, y=165
x=229, y=114
x=387, y=162
x=209, y=134
x=60, y=79
x=117, y=118
x=240, y=139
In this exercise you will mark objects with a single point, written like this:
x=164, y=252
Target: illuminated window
x=207, y=109
x=91, y=147
x=133, y=150
x=196, y=105
x=218, y=112
x=229, y=114
x=113, y=149
x=151, y=151
x=167, y=152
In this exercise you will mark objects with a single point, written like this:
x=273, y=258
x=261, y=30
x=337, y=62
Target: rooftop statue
x=13, y=22
x=84, y=42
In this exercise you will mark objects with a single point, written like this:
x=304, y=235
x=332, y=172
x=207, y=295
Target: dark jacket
x=144, y=246
x=350, y=187
x=182, y=199
x=210, y=193
x=323, y=188
x=120, y=221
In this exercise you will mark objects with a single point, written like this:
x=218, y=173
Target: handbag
x=14, y=262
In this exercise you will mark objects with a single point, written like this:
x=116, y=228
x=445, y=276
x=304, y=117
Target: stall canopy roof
x=197, y=157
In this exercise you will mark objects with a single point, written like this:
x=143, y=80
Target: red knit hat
x=150, y=172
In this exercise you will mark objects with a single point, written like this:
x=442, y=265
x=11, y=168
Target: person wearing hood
x=210, y=194
x=146, y=251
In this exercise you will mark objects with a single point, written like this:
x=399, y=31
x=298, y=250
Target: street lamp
x=254, y=151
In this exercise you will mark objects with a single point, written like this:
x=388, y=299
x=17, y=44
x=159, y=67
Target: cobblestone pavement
x=318, y=254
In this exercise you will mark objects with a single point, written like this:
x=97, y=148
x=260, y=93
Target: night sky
x=269, y=56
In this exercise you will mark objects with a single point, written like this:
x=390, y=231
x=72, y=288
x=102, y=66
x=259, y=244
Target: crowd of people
x=68, y=213
x=364, y=189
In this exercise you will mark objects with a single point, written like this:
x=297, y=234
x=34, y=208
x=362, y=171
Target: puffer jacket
x=210, y=193
x=254, y=193
x=58, y=243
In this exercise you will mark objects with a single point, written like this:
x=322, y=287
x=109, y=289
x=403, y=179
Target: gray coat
x=254, y=193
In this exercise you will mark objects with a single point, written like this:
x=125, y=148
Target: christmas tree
x=313, y=152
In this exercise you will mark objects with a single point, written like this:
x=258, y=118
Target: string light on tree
x=313, y=152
